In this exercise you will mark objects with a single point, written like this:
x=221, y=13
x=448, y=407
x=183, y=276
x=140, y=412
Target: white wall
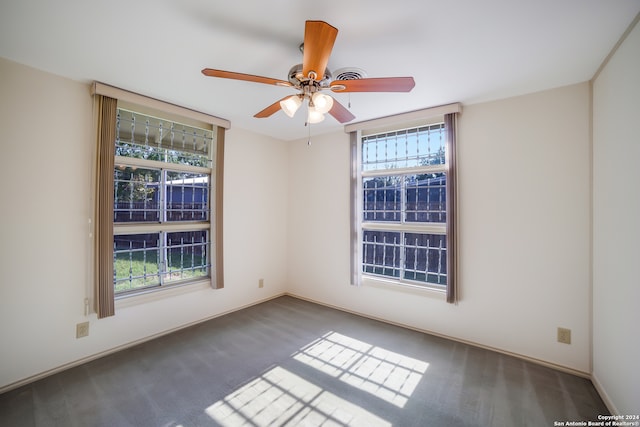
x=46, y=161
x=524, y=189
x=616, y=232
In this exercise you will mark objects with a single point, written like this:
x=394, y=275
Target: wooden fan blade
x=246, y=77
x=340, y=113
x=318, y=43
x=381, y=84
x=271, y=109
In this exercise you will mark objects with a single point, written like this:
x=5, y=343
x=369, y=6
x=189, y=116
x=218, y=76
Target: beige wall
x=616, y=229
x=46, y=161
x=524, y=199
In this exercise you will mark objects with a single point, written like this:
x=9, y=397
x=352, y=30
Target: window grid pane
x=187, y=196
x=426, y=258
x=187, y=255
x=414, y=257
x=426, y=198
x=421, y=146
x=421, y=197
x=136, y=194
x=141, y=196
x=146, y=137
x=381, y=255
x=150, y=260
x=136, y=262
x=382, y=199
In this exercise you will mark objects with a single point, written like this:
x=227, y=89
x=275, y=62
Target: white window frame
x=164, y=227
x=390, y=124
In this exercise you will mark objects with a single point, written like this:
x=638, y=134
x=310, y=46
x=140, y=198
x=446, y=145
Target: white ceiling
x=458, y=50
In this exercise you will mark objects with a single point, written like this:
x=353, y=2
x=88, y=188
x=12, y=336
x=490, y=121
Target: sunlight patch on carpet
x=281, y=398
x=385, y=374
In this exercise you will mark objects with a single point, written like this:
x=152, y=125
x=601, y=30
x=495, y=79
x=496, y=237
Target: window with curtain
x=159, y=198
x=404, y=205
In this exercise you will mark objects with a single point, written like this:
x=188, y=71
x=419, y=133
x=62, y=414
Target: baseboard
x=555, y=366
x=92, y=357
x=603, y=395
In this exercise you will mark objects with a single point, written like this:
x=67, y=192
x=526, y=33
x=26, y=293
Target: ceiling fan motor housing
x=296, y=76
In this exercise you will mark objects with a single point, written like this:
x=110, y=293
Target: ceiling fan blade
x=340, y=113
x=381, y=84
x=271, y=109
x=246, y=77
x=318, y=43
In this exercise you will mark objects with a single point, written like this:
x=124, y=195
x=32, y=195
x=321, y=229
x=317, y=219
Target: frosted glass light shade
x=322, y=103
x=314, y=116
x=290, y=105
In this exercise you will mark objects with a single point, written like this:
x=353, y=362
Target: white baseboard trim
x=604, y=395
x=555, y=366
x=92, y=357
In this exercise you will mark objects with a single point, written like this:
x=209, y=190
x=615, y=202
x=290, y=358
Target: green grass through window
x=139, y=271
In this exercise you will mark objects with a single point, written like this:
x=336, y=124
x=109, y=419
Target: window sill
x=379, y=282
x=143, y=297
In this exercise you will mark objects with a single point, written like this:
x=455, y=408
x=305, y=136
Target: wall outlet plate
x=564, y=335
x=82, y=329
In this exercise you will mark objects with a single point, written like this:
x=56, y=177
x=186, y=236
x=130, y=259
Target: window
x=162, y=186
x=158, y=205
x=403, y=205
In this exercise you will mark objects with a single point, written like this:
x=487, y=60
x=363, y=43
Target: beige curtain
x=356, y=277
x=218, y=226
x=450, y=128
x=104, y=300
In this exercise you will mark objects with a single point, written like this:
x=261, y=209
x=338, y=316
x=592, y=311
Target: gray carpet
x=291, y=362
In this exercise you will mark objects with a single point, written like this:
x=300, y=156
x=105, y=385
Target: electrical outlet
x=564, y=335
x=82, y=329
x=261, y=283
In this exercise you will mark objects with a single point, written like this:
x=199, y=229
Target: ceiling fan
x=312, y=77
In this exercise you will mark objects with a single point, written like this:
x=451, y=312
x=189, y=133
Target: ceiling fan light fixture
x=321, y=102
x=291, y=105
x=313, y=76
x=314, y=116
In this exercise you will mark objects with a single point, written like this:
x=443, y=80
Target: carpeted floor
x=291, y=362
